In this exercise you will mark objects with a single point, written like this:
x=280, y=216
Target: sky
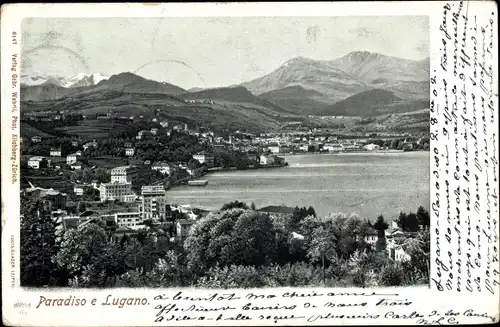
x=212, y=51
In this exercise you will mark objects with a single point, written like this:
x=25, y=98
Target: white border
x=424, y=300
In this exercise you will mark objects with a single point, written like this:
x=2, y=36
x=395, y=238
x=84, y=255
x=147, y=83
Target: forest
x=234, y=247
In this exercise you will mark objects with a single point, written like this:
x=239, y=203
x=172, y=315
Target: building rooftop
x=277, y=209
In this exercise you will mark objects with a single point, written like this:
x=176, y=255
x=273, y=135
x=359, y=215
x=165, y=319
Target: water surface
x=369, y=184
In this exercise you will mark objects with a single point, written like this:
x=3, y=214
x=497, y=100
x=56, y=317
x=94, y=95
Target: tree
x=83, y=254
x=252, y=206
x=234, y=204
x=39, y=244
x=423, y=217
x=253, y=239
x=81, y=207
x=234, y=236
x=412, y=223
x=380, y=226
x=311, y=212
x=322, y=246
x=402, y=220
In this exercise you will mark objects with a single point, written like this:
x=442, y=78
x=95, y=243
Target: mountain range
x=78, y=80
x=357, y=84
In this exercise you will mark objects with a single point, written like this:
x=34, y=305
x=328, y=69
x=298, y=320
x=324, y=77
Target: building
x=205, y=158
x=79, y=189
x=72, y=158
x=162, y=167
x=35, y=162
x=183, y=226
x=279, y=149
x=277, y=211
x=371, y=147
x=253, y=158
x=88, y=145
x=332, y=147
x=143, y=135
x=350, y=147
x=154, y=131
x=371, y=237
x=52, y=199
x=154, y=202
x=400, y=255
x=36, y=139
x=132, y=219
x=129, y=152
x=124, y=174
x=267, y=159
x=55, y=152
x=116, y=191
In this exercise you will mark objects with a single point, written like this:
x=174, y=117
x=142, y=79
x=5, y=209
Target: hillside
x=233, y=110
x=123, y=82
x=42, y=92
x=295, y=99
x=351, y=74
x=236, y=94
x=372, y=103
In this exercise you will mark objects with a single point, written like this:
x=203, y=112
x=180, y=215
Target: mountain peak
x=297, y=60
x=126, y=77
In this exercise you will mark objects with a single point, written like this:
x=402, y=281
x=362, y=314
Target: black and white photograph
x=225, y=152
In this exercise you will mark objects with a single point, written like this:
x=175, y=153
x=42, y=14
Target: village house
x=371, y=147
x=205, y=158
x=36, y=139
x=279, y=149
x=55, y=152
x=129, y=152
x=77, y=165
x=89, y=145
x=154, y=131
x=143, y=135
x=371, y=237
x=332, y=147
x=37, y=162
x=162, y=167
x=128, y=144
x=400, y=255
x=72, y=158
x=78, y=189
x=74, y=143
x=182, y=227
x=129, y=219
x=277, y=211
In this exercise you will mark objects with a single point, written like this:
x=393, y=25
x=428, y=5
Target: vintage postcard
x=250, y=164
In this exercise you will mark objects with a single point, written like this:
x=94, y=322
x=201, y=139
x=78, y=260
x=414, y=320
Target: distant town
x=124, y=179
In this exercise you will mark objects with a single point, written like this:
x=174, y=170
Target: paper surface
x=464, y=267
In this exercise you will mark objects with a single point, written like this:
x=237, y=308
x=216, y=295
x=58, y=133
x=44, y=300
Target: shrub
x=231, y=277
x=297, y=274
x=392, y=275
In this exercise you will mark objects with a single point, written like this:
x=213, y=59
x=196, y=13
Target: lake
x=369, y=184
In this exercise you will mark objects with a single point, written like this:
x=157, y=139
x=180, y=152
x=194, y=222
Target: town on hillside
x=120, y=186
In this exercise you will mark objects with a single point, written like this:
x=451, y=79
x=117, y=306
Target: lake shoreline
x=366, y=183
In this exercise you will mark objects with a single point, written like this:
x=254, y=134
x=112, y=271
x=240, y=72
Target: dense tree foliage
x=39, y=243
x=236, y=246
